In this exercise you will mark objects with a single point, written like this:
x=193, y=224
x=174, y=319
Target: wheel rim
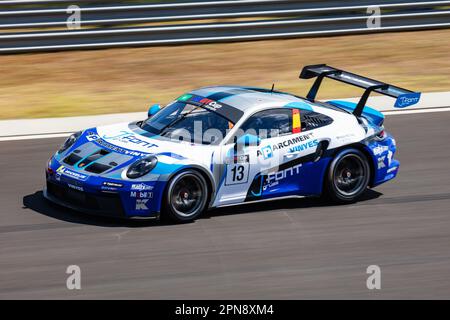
x=187, y=195
x=349, y=175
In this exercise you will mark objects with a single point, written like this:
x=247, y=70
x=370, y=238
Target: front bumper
x=83, y=202
x=106, y=205
x=98, y=195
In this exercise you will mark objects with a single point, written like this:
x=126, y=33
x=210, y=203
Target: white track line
x=65, y=134
x=35, y=136
x=428, y=110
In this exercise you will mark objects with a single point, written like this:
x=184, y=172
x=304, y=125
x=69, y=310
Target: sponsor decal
x=104, y=188
x=117, y=149
x=267, y=152
x=392, y=169
x=112, y=184
x=349, y=135
x=406, y=100
x=274, y=178
x=90, y=136
x=72, y=186
x=210, y=104
x=58, y=176
x=304, y=146
x=286, y=143
x=72, y=174
x=141, y=204
x=141, y=194
x=243, y=158
x=129, y=137
x=346, y=137
x=389, y=157
x=381, y=163
x=379, y=150
x=141, y=187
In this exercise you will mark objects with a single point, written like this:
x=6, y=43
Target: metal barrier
x=198, y=22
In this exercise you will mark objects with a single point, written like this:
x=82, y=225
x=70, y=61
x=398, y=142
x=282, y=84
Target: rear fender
x=372, y=115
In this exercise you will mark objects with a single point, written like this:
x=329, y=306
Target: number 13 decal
x=237, y=173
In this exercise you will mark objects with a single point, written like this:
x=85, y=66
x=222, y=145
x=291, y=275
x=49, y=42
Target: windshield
x=188, y=122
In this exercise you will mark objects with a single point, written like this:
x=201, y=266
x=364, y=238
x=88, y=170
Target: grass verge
x=130, y=79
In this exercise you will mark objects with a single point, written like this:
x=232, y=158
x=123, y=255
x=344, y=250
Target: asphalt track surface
x=289, y=249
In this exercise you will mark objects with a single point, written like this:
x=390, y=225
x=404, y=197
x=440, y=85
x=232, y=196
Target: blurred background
x=136, y=53
x=62, y=58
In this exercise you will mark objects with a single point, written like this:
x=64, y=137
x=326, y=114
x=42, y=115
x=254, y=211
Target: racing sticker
x=141, y=194
x=141, y=187
x=381, y=163
x=69, y=173
x=141, y=204
x=237, y=173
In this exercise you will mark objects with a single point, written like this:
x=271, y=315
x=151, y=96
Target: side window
x=269, y=123
x=313, y=120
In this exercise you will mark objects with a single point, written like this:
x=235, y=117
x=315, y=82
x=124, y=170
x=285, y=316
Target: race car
x=227, y=145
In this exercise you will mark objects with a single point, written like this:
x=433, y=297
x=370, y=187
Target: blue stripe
x=374, y=115
x=220, y=95
x=299, y=105
x=171, y=155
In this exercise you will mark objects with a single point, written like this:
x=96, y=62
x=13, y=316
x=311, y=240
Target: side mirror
x=247, y=140
x=153, y=110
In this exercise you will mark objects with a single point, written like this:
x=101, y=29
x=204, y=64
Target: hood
x=109, y=149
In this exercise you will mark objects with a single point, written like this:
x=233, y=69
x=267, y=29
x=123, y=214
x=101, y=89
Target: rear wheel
x=186, y=196
x=348, y=176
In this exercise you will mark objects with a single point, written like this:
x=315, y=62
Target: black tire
x=347, y=177
x=185, y=197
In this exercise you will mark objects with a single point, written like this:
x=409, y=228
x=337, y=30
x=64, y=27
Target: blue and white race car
x=227, y=145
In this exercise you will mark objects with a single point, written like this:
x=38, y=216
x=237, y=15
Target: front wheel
x=186, y=196
x=348, y=176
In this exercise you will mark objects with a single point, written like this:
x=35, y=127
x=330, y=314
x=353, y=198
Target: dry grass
x=124, y=80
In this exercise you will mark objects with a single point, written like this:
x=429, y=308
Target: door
x=244, y=166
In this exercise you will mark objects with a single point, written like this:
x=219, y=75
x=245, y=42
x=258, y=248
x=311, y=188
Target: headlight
x=69, y=141
x=141, y=167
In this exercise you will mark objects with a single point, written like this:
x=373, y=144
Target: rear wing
x=404, y=97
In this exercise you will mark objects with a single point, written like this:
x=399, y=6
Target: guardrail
x=199, y=22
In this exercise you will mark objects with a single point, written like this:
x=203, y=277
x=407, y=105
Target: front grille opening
x=108, y=204
x=72, y=159
x=97, y=168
